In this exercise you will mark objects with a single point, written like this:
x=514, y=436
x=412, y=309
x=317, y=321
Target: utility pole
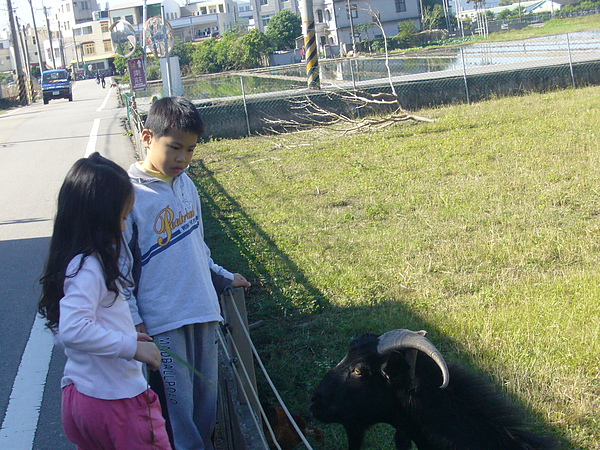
x=25, y=49
x=350, y=9
x=37, y=40
x=15, y=42
x=21, y=30
x=310, y=44
x=50, y=38
x=61, y=47
x=143, y=36
x=75, y=50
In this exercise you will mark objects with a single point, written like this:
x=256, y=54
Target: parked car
x=56, y=84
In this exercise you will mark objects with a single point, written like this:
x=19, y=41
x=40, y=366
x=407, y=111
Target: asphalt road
x=38, y=145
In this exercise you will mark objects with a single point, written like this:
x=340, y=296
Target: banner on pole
x=137, y=74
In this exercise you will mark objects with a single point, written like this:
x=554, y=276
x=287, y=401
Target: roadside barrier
x=241, y=415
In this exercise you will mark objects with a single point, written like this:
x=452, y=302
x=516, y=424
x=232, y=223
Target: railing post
x=570, y=60
x=464, y=68
x=242, y=349
x=245, y=106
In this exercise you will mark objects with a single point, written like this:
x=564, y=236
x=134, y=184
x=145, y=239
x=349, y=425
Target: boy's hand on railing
x=239, y=281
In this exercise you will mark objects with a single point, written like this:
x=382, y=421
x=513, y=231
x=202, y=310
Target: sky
x=23, y=10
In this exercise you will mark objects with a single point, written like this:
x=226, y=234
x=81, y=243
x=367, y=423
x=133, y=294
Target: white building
x=30, y=55
x=264, y=10
x=245, y=15
x=133, y=12
x=90, y=46
x=191, y=22
x=206, y=18
x=336, y=19
x=80, y=36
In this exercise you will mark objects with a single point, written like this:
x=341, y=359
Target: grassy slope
x=482, y=228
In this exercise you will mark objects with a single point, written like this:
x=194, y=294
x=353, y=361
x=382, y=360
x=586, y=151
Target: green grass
x=482, y=228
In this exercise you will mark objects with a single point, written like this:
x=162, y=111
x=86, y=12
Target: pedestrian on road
x=176, y=301
x=106, y=402
x=103, y=80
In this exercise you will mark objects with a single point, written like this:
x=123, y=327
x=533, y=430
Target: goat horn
x=397, y=339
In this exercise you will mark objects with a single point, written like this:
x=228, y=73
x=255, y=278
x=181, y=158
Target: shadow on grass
x=305, y=335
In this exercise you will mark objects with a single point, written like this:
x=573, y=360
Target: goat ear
x=396, y=369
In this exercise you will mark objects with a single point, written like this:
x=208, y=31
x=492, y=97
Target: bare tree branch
x=310, y=114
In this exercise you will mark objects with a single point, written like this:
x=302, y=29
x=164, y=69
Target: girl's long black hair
x=91, y=202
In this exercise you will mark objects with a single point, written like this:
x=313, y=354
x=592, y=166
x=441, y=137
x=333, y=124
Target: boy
x=174, y=300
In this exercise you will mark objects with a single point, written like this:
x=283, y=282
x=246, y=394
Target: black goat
x=381, y=380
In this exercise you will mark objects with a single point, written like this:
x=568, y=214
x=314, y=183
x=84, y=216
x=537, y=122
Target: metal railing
x=242, y=419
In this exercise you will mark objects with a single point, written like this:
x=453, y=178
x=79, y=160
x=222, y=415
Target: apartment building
x=190, y=22
x=336, y=21
x=264, y=10
x=29, y=56
x=74, y=36
x=245, y=14
x=91, y=47
x=206, y=18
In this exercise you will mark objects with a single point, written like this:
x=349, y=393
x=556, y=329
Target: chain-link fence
x=242, y=103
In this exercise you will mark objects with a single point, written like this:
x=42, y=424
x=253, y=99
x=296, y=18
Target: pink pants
x=125, y=424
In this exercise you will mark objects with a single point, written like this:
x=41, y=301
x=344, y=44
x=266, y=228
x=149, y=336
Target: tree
x=184, y=51
x=506, y=14
x=233, y=51
x=255, y=46
x=407, y=37
x=363, y=27
x=434, y=17
x=120, y=64
x=204, y=58
x=283, y=29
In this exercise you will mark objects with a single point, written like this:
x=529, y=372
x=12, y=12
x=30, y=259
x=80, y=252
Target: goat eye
x=357, y=371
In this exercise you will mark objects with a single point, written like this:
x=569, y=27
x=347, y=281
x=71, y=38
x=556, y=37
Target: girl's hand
x=141, y=328
x=240, y=281
x=149, y=354
x=142, y=336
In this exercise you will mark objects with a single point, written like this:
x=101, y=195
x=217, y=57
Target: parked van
x=56, y=84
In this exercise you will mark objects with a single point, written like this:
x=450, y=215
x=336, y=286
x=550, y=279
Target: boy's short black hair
x=174, y=113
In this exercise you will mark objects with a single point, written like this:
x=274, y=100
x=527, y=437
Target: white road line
x=91, y=147
x=22, y=413
x=105, y=100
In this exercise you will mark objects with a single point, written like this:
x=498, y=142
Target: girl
x=106, y=402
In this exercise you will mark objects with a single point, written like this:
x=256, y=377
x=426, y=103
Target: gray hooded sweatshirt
x=172, y=267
